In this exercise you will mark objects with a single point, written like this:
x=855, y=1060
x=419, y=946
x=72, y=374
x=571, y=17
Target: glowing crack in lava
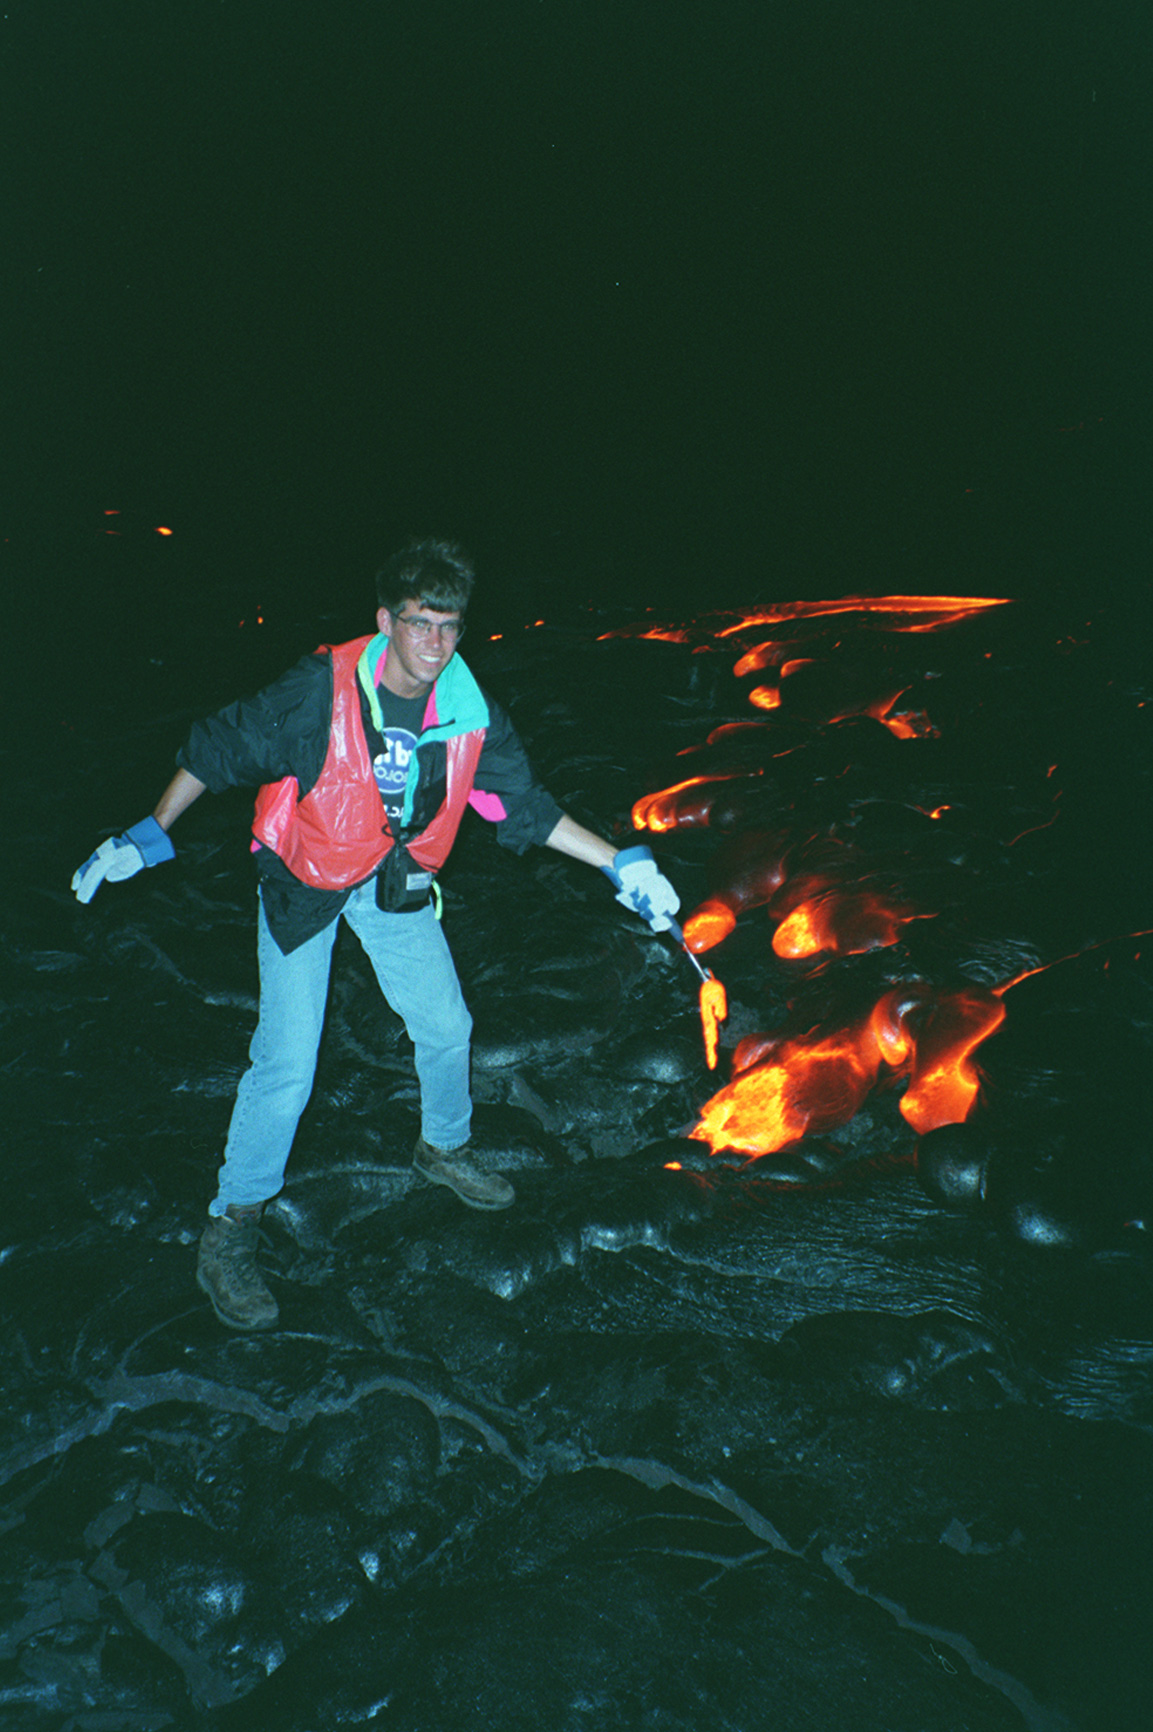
x=903, y=724
x=714, y=1010
x=808, y=1084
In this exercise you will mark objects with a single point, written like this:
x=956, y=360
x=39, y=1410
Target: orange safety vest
x=336, y=836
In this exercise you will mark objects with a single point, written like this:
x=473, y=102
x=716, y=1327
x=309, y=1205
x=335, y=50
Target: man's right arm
x=145, y=844
x=177, y=797
x=281, y=731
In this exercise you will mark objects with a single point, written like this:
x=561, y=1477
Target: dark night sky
x=671, y=300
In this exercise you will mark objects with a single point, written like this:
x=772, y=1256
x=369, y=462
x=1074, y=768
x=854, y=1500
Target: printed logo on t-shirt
x=390, y=767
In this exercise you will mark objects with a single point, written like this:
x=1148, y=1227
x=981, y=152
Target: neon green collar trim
x=456, y=699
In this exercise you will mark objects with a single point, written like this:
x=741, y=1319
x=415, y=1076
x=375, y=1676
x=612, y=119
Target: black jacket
x=283, y=731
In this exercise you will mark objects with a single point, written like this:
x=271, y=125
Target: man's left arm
x=526, y=813
x=573, y=839
x=640, y=885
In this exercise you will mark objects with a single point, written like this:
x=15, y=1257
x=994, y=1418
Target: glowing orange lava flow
x=707, y=925
x=683, y=805
x=948, y=609
x=902, y=724
x=945, y=1081
x=808, y=1084
x=765, y=697
x=806, y=1087
x=910, y=725
x=661, y=633
x=714, y=1009
x=771, y=654
x=751, y=868
x=846, y=924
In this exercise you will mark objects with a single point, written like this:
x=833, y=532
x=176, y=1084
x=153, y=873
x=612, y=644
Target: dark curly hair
x=434, y=574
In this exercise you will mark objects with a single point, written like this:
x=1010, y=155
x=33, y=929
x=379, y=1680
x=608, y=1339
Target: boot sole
x=232, y=1322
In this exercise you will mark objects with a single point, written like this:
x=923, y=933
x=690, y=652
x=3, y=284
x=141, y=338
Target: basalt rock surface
x=856, y=1435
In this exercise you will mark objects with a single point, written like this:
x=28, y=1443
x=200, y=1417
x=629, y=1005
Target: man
x=365, y=755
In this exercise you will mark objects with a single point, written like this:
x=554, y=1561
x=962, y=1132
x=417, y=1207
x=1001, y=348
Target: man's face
x=422, y=642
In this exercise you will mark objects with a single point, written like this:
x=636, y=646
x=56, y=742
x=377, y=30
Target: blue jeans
x=412, y=962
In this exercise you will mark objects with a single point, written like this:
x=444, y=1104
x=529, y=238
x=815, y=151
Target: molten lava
x=683, y=805
x=910, y=725
x=707, y=925
x=845, y=923
x=903, y=724
x=714, y=1009
x=747, y=872
x=945, y=1081
x=790, y=1085
x=807, y=1084
x=939, y=610
x=765, y=697
x=660, y=633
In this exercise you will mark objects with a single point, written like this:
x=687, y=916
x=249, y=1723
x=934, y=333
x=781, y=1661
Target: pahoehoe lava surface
x=854, y=1437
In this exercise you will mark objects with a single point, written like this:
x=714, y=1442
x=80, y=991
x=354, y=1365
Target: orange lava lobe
x=765, y=697
x=847, y=924
x=808, y=1084
x=772, y=654
x=799, y=934
x=707, y=925
x=683, y=805
x=714, y=1009
x=747, y=871
x=806, y=1087
x=763, y=656
x=945, y=1081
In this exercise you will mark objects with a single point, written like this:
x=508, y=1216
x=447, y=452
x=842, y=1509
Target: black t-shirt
x=391, y=752
x=284, y=731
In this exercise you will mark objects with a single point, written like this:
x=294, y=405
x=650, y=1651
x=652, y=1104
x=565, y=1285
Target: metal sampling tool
x=714, y=1002
x=678, y=933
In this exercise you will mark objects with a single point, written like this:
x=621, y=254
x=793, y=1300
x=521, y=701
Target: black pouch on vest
x=402, y=885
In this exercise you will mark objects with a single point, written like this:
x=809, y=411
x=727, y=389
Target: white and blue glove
x=146, y=844
x=642, y=888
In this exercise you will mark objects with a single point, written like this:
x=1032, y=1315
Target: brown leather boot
x=226, y=1270
x=453, y=1168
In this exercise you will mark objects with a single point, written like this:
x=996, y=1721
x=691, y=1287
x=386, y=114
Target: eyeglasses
x=451, y=630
